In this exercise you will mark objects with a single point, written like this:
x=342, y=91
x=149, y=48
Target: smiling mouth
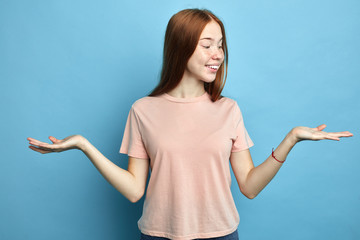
x=213, y=67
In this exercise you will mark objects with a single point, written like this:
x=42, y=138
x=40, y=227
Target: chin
x=208, y=80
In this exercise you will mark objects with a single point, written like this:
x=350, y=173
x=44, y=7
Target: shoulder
x=145, y=103
x=228, y=102
x=232, y=106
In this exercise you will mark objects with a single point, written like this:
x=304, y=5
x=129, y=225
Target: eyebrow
x=208, y=38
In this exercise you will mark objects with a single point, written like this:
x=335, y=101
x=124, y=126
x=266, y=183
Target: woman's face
x=208, y=55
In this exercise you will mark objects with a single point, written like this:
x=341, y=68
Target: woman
x=186, y=132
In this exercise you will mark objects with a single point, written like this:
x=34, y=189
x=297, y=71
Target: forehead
x=212, y=30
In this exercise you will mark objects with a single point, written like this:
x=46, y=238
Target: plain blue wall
x=75, y=67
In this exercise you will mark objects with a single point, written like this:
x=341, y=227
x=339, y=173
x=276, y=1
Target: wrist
x=292, y=137
x=82, y=143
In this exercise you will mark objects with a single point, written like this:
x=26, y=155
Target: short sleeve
x=132, y=143
x=242, y=140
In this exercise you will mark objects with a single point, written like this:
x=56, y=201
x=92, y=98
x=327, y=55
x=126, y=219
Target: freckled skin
x=207, y=52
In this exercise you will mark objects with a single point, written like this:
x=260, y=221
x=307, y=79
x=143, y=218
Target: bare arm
x=252, y=180
x=131, y=183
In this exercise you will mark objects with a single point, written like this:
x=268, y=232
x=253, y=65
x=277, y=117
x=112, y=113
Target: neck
x=188, y=88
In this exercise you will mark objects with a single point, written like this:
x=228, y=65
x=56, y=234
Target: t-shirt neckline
x=187, y=100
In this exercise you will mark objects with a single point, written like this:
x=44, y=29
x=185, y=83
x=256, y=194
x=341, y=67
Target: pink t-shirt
x=188, y=142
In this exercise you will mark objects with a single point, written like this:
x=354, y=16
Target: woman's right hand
x=58, y=145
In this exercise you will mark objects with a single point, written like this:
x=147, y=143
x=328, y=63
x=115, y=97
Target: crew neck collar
x=187, y=100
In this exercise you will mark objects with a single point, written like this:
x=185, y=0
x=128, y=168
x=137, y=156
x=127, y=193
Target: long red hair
x=181, y=38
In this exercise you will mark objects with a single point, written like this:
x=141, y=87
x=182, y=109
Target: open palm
x=315, y=134
x=58, y=145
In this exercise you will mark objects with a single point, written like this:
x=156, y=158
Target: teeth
x=213, y=66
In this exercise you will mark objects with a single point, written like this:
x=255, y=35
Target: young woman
x=186, y=132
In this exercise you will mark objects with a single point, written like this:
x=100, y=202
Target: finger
x=321, y=127
x=332, y=138
x=37, y=143
x=319, y=135
x=346, y=134
x=34, y=140
x=338, y=135
x=39, y=150
x=54, y=140
x=49, y=147
x=44, y=146
x=31, y=139
x=342, y=134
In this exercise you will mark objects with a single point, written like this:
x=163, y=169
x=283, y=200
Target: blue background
x=75, y=67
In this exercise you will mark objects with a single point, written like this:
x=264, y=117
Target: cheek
x=206, y=56
x=198, y=61
x=201, y=56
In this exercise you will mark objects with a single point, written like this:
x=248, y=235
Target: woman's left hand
x=315, y=134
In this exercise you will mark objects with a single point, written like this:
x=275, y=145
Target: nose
x=217, y=53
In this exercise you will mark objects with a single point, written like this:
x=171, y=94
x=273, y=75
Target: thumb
x=53, y=140
x=321, y=127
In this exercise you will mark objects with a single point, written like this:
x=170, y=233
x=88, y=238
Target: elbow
x=136, y=196
x=248, y=194
x=133, y=199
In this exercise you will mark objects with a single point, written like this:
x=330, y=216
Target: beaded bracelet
x=272, y=154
